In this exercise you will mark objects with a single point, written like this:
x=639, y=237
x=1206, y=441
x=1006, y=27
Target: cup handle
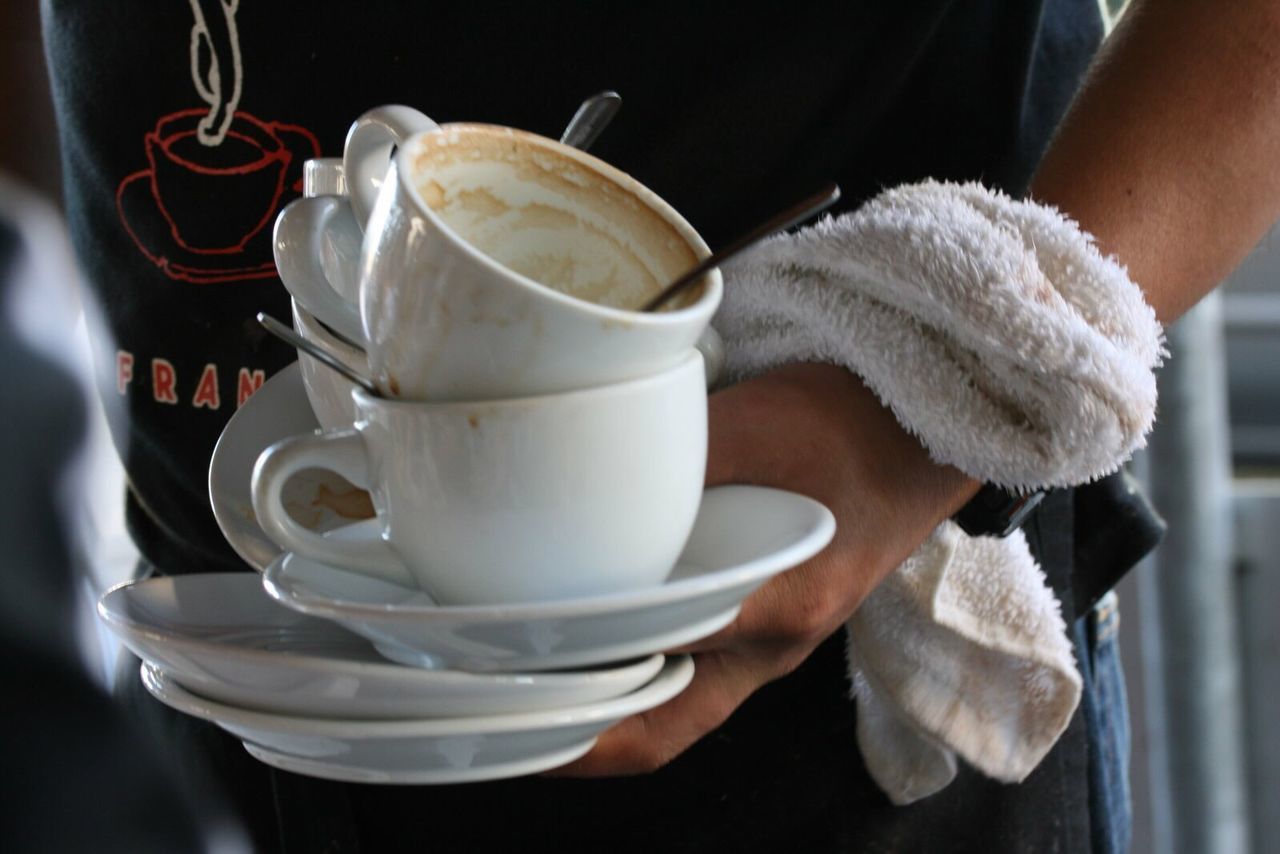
x=342, y=452
x=367, y=152
x=298, y=245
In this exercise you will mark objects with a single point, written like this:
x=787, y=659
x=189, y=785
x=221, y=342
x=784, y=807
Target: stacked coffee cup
x=533, y=436
x=534, y=450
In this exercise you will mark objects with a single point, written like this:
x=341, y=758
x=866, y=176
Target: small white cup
x=495, y=263
x=529, y=499
x=328, y=391
x=317, y=238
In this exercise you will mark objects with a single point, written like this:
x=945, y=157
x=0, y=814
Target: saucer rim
x=254, y=548
x=127, y=629
x=675, y=675
x=803, y=548
x=365, y=775
x=583, y=656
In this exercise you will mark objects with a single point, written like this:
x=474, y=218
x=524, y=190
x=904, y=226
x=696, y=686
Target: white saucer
x=743, y=536
x=223, y=637
x=448, y=750
x=319, y=499
x=406, y=770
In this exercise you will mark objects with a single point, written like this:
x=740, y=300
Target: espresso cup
x=528, y=499
x=317, y=238
x=328, y=391
x=496, y=263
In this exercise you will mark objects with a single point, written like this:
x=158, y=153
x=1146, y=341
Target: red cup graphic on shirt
x=243, y=178
x=216, y=176
x=203, y=213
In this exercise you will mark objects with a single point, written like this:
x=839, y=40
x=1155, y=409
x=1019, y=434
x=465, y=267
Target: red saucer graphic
x=246, y=179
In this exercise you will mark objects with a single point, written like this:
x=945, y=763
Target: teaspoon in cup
x=781, y=221
x=591, y=119
x=286, y=334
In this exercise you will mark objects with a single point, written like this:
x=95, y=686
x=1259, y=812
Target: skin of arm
x=1170, y=156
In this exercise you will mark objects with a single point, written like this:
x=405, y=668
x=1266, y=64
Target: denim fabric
x=1106, y=714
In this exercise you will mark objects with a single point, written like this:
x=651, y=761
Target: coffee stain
x=632, y=232
x=353, y=503
x=541, y=215
x=307, y=517
x=556, y=271
x=616, y=323
x=480, y=201
x=433, y=194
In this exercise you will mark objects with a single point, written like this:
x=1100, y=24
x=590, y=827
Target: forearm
x=1170, y=155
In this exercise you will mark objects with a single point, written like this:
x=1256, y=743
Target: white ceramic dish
x=743, y=536
x=321, y=500
x=220, y=635
x=449, y=750
x=583, y=493
x=328, y=391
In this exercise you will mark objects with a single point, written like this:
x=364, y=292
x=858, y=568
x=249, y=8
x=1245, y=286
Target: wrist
x=873, y=456
x=996, y=512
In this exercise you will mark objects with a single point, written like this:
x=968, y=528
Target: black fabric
x=77, y=775
x=1116, y=526
x=730, y=111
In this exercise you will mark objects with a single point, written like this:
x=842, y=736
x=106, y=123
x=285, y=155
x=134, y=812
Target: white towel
x=998, y=334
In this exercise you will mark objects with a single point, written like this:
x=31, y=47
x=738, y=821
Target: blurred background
x=1199, y=636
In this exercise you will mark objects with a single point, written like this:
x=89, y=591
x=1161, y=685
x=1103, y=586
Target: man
x=730, y=112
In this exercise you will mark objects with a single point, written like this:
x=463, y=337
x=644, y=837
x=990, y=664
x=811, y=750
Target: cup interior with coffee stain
x=497, y=263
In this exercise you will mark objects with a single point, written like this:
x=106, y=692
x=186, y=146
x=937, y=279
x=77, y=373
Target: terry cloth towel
x=999, y=336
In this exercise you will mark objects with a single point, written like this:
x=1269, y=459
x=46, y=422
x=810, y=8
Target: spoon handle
x=591, y=119
x=794, y=215
x=287, y=335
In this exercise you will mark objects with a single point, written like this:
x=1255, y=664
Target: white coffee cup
x=454, y=300
x=328, y=254
x=527, y=499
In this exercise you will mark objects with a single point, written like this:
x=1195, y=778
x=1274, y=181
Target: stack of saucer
x=484, y=574
x=301, y=662
x=305, y=695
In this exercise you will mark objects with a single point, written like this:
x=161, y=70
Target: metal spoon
x=316, y=351
x=591, y=119
x=793, y=215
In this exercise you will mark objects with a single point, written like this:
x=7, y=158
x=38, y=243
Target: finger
x=645, y=742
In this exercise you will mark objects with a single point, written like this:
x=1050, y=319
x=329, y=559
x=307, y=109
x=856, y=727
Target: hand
x=815, y=430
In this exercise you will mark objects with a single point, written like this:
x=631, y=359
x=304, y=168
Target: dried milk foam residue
x=550, y=218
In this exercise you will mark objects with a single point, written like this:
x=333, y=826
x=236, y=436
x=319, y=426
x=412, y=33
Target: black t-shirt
x=731, y=110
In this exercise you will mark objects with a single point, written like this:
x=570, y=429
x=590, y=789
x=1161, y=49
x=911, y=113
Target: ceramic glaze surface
x=522, y=500
x=742, y=537
x=222, y=636
x=491, y=263
x=448, y=750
